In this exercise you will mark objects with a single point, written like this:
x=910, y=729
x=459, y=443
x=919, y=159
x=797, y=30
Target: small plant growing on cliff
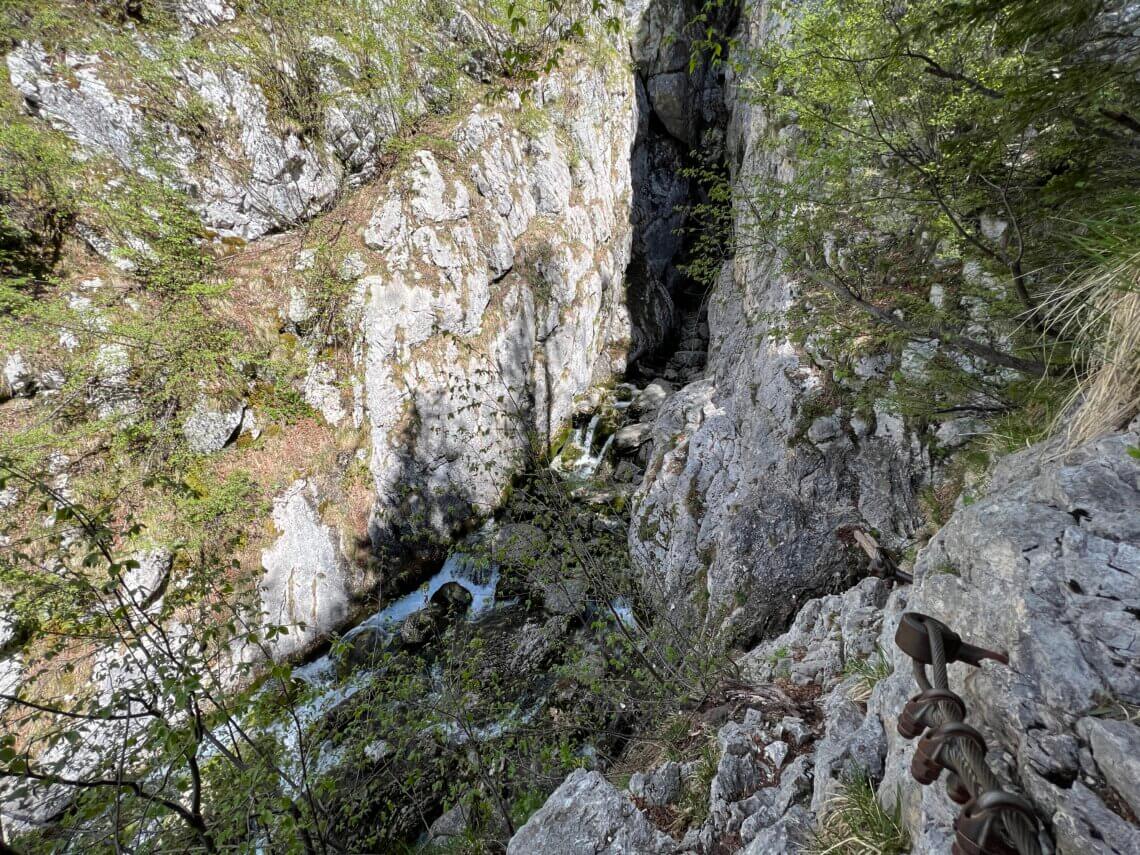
x=853, y=822
x=868, y=671
x=694, y=801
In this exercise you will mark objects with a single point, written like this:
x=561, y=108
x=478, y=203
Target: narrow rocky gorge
x=521, y=370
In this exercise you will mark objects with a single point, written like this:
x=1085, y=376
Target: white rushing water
x=577, y=455
x=321, y=675
x=477, y=577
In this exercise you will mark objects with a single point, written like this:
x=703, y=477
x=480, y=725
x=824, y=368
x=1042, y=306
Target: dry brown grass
x=1111, y=396
x=1102, y=314
x=55, y=680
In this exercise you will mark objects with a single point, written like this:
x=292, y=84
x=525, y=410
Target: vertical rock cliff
x=757, y=476
x=756, y=471
x=501, y=298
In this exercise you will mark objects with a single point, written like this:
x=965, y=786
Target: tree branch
x=196, y=824
x=15, y=699
x=837, y=286
x=1121, y=119
x=937, y=70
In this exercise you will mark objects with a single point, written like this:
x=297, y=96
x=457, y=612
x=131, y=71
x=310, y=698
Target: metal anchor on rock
x=916, y=715
x=913, y=638
x=977, y=830
x=992, y=821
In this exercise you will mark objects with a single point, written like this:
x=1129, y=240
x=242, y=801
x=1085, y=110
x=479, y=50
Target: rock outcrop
x=1043, y=567
x=502, y=298
x=254, y=173
x=1047, y=568
x=588, y=814
x=742, y=498
x=307, y=582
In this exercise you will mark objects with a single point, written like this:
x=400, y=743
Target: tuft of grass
x=1100, y=312
x=1117, y=709
x=693, y=805
x=1110, y=396
x=869, y=671
x=854, y=823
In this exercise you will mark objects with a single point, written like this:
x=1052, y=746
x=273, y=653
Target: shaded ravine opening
x=680, y=144
x=670, y=341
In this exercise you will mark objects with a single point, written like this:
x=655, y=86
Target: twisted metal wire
x=966, y=757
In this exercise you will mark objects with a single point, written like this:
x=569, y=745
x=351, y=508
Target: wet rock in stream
x=452, y=597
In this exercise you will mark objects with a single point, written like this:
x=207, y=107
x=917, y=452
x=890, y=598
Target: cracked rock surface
x=1043, y=567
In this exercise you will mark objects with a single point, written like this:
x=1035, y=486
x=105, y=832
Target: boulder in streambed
x=452, y=597
x=632, y=436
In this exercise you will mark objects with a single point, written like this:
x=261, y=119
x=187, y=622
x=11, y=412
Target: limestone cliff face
x=487, y=274
x=501, y=299
x=489, y=294
x=249, y=172
x=1046, y=567
x=752, y=471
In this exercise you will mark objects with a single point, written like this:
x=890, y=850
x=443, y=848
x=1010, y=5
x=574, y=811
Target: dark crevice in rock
x=682, y=122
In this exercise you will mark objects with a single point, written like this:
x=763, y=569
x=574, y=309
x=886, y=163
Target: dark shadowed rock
x=452, y=597
x=421, y=627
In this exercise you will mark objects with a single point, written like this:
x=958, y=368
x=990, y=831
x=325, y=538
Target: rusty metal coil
x=992, y=821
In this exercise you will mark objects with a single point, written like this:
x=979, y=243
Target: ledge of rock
x=588, y=814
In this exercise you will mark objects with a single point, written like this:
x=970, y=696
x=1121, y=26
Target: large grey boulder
x=649, y=400
x=786, y=836
x=211, y=426
x=145, y=584
x=827, y=634
x=670, y=93
x=658, y=787
x=1044, y=567
x=19, y=376
x=306, y=583
x=852, y=745
x=588, y=814
x=1115, y=747
x=110, y=391
x=631, y=437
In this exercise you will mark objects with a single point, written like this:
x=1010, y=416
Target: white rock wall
x=252, y=173
x=307, y=581
x=502, y=296
x=736, y=503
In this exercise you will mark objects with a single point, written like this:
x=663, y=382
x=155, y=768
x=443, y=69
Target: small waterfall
x=581, y=462
x=591, y=430
x=481, y=581
x=591, y=464
x=328, y=691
